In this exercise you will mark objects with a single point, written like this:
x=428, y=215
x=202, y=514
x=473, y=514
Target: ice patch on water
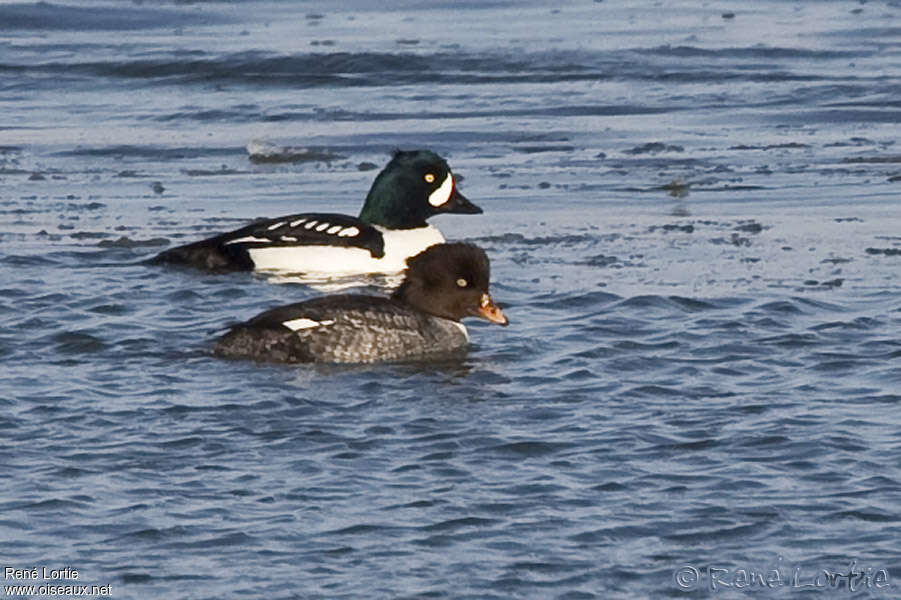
x=269, y=152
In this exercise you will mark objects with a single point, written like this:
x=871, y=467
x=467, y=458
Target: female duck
x=421, y=319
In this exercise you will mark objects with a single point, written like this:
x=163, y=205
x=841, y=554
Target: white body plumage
x=339, y=260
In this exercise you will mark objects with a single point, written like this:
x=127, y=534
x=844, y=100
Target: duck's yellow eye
x=429, y=178
x=462, y=282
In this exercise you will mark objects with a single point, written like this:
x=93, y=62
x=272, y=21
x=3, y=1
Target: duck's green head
x=414, y=186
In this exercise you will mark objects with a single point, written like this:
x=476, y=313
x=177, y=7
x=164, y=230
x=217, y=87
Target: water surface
x=692, y=215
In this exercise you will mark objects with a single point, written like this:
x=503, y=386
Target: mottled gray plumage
x=353, y=329
x=444, y=284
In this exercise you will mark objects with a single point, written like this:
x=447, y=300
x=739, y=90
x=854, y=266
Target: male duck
x=414, y=186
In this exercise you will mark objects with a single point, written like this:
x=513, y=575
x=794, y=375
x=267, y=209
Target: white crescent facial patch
x=443, y=193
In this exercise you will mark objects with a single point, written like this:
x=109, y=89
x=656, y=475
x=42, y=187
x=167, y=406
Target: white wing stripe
x=248, y=238
x=305, y=323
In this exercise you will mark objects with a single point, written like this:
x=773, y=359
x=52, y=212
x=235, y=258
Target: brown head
x=450, y=281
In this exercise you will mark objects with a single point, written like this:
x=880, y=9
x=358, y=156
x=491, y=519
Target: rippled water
x=692, y=215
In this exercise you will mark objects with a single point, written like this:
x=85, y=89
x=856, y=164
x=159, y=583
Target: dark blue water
x=692, y=213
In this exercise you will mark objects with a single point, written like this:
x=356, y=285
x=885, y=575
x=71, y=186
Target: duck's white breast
x=400, y=244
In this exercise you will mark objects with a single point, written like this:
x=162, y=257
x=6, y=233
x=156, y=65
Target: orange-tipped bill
x=489, y=311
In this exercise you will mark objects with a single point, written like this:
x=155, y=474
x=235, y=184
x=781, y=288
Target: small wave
x=152, y=534
x=147, y=152
x=791, y=340
x=654, y=148
x=570, y=301
x=544, y=240
x=461, y=523
x=525, y=449
x=46, y=16
x=126, y=242
x=237, y=114
x=17, y=260
x=871, y=515
x=884, y=251
x=781, y=307
x=757, y=51
x=679, y=303
x=378, y=69
x=78, y=342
